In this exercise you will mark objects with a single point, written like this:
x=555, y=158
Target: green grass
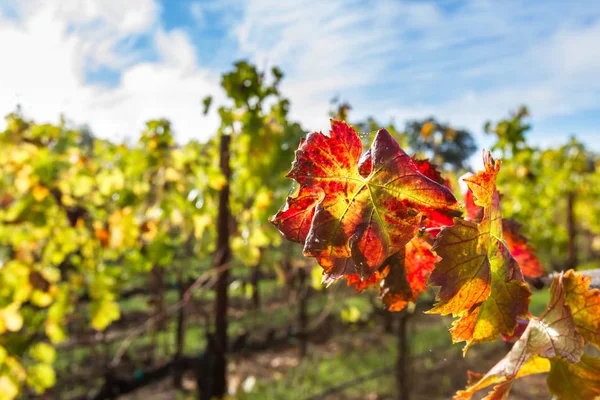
x=319, y=372
x=356, y=351
x=539, y=301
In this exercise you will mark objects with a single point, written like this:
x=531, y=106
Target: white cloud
x=54, y=44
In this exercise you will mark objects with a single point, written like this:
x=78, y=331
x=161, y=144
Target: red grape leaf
x=365, y=164
x=294, y=220
x=436, y=218
x=402, y=277
x=406, y=277
x=480, y=282
x=335, y=268
x=365, y=218
x=585, y=305
x=522, y=251
x=429, y=170
x=360, y=285
x=579, y=381
x=552, y=335
x=473, y=211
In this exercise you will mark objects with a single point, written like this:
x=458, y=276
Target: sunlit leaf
x=580, y=381
x=480, y=282
x=585, y=305
x=406, y=278
x=363, y=218
x=43, y=352
x=8, y=388
x=521, y=250
x=552, y=335
x=295, y=219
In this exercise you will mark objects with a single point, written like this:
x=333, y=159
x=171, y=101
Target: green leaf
x=41, y=377
x=43, y=352
x=103, y=313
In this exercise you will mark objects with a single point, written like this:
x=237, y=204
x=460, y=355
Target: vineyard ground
x=438, y=368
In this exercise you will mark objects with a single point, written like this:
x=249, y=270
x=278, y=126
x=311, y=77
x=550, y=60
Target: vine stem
x=203, y=279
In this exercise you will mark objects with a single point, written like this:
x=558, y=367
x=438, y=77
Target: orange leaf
x=480, y=282
x=552, y=335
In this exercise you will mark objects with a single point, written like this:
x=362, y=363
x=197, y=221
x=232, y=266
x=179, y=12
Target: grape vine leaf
x=294, y=220
x=367, y=218
x=521, y=250
x=402, y=277
x=480, y=282
x=403, y=283
x=361, y=284
x=579, y=381
x=553, y=335
x=585, y=305
x=516, y=242
x=435, y=218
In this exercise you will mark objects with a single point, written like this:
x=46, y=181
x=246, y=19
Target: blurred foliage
x=510, y=132
x=263, y=143
x=444, y=145
x=82, y=216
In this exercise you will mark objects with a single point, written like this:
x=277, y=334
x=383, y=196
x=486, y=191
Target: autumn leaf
x=585, y=305
x=406, y=278
x=552, y=335
x=428, y=169
x=294, y=220
x=473, y=211
x=516, y=242
x=365, y=164
x=402, y=277
x=336, y=268
x=579, y=381
x=435, y=218
x=522, y=251
x=480, y=282
x=359, y=285
x=367, y=218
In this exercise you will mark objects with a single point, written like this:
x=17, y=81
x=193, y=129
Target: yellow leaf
x=40, y=193
x=351, y=314
x=41, y=377
x=200, y=224
x=41, y=299
x=316, y=275
x=104, y=313
x=172, y=175
x=427, y=129
x=216, y=181
x=13, y=321
x=8, y=389
x=2, y=355
x=55, y=332
x=43, y=352
x=23, y=179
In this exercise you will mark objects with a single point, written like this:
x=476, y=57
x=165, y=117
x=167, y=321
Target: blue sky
x=114, y=64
